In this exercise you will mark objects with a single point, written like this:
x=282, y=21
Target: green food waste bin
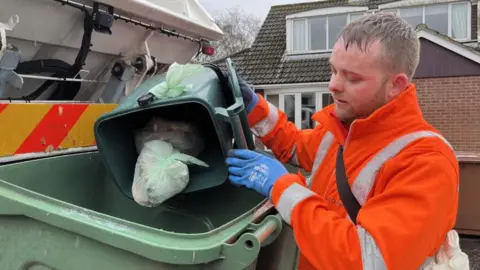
x=214, y=105
x=65, y=213
x=65, y=210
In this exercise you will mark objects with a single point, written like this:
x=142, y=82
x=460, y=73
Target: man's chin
x=343, y=115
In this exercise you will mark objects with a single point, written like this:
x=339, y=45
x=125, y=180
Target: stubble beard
x=348, y=115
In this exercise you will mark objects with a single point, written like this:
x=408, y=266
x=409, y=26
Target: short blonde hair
x=400, y=44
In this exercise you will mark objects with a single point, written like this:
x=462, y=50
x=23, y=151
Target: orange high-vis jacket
x=401, y=170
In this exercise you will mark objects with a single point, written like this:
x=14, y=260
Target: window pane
x=335, y=26
x=299, y=35
x=393, y=11
x=414, y=16
x=289, y=107
x=274, y=99
x=318, y=33
x=436, y=18
x=308, y=109
x=355, y=16
x=459, y=20
x=327, y=99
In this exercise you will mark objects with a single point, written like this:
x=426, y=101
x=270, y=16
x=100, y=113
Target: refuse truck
x=74, y=208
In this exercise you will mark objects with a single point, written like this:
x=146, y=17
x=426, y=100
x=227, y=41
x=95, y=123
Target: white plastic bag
x=449, y=256
x=161, y=172
x=183, y=136
x=172, y=87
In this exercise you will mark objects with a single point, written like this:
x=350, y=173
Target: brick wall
x=452, y=105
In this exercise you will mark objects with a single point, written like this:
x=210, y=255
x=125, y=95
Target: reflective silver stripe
x=290, y=197
x=309, y=180
x=325, y=144
x=266, y=125
x=364, y=182
x=371, y=255
x=372, y=259
x=294, y=158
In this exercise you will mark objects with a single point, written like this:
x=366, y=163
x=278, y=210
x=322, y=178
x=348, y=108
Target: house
x=288, y=62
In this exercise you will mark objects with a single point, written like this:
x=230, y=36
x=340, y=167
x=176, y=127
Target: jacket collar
x=400, y=114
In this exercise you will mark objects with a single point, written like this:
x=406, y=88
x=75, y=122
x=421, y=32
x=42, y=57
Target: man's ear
x=399, y=83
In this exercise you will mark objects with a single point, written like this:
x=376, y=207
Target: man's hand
x=254, y=170
x=250, y=99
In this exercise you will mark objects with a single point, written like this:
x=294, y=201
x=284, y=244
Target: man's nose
x=335, y=84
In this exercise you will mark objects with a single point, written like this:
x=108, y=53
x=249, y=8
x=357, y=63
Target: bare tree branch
x=240, y=29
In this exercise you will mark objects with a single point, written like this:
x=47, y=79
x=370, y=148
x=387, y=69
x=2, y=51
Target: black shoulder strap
x=348, y=199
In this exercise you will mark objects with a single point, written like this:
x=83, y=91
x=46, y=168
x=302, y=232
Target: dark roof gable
x=423, y=27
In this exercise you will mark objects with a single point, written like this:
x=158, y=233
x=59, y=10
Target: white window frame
x=304, y=16
x=396, y=10
x=297, y=93
x=317, y=88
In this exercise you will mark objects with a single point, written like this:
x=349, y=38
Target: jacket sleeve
x=399, y=228
x=288, y=144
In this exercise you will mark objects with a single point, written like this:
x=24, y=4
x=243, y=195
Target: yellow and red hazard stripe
x=38, y=127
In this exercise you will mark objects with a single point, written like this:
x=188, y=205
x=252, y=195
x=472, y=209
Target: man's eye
x=353, y=79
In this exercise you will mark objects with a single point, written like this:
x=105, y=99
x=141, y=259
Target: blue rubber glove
x=250, y=99
x=254, y=170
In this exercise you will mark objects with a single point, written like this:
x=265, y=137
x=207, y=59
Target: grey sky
x=259, y=8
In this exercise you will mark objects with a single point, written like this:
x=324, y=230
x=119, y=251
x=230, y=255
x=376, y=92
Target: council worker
x=383, y=191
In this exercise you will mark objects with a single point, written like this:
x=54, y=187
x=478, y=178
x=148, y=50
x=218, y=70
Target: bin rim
x=140, y=239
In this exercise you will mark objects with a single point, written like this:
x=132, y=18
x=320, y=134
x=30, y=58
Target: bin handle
x=236, y=114
x=259, y=235
x=267, y=229
x=145, y=99
x=247, y=245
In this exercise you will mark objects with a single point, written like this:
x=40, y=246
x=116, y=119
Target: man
x=402, y=172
